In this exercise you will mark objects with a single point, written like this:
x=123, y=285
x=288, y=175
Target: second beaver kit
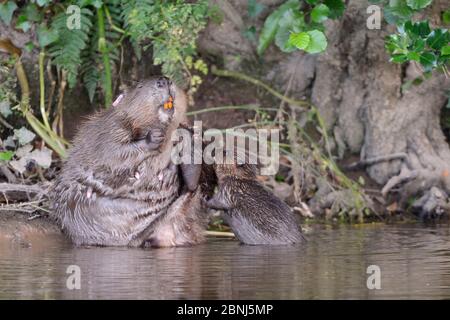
x=256, y=216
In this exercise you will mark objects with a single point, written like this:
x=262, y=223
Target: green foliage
x=89, y=53
x=298, y=25
x=7, y=10
x=415, y=41
x=171, y=28
x=400, y=11
x=66, y=50
x=254, y=8
x=6, y=155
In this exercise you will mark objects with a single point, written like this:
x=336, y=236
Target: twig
x=368, y=162
x=238, y=75
x=253, y=107
x=5, y=123
x=13, y=187
x=220, y=234
x=8, y=174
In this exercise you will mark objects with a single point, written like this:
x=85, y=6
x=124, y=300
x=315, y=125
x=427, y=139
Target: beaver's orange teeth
x=168, y=104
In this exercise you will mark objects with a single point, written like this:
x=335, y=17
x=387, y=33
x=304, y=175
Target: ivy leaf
x=23, y=135
x=23, y=23
x=421, y=29
x=254, y=8
x=399, y=58
x=32, y=13
x=320, y=13
x=428, y=60
x=5, y=108
x=318, y=42
x=414, y=56
x=6, y=155
x=42, y=3
x=397, y=14
x=270, y=27
x=336, y=7
x=300, y=40
x=7, y=10
x=418, y=4
x=446, y=17
x=250, y=33
x=445, y=51
x=438, y=38
x=29, y=46
x=46, y=36
x=42, y=157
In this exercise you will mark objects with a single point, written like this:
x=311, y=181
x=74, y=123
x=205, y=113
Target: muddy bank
x=27, y=229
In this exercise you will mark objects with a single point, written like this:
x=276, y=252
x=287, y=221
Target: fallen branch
x=23, y=191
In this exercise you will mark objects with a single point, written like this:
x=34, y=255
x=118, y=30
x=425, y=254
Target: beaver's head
x=152, y=103
x=234, y=167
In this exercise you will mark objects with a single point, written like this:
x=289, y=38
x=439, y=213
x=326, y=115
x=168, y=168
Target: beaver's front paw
x=155, y=138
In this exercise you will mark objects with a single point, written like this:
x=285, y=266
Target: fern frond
x=66, y=51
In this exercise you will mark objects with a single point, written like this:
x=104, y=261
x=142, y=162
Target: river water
x=413, y=260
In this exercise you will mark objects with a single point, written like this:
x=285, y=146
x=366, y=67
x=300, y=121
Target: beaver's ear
x=118, y=99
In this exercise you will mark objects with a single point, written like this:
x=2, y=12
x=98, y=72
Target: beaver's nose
x=162, y=82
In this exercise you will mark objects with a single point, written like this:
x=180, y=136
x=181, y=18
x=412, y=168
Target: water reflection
x=414, y=262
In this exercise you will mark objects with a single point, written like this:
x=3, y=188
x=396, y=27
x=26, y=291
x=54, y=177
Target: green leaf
x=250, y=33
x=418, y=4
x=43, y=3
x=23, y=23
x=318, y=42
x=399, y=58
x=23, y=135
x=6, y=155
x=291, y=21
x=413, y=56
x=397, y=14
x=32, y=13
x=300, y=40
x=438, y=38
x=336, y=7
x=270, y=27
x=46, y=36
x=254, y=8
x=446, y=17
x=320, y=13
x=29, y=46
x=445, y=50
x=428, y=60
x=7, y=10
x=421, y=29
x=5, y=108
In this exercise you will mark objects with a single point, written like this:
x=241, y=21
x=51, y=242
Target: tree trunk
x=370, y=114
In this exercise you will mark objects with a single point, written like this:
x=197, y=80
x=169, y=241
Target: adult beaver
x=118, y=186
x=256, y=216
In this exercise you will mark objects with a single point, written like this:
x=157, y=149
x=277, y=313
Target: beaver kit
x=256, y=215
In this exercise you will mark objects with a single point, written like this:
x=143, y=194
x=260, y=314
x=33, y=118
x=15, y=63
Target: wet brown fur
x=118, y=185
